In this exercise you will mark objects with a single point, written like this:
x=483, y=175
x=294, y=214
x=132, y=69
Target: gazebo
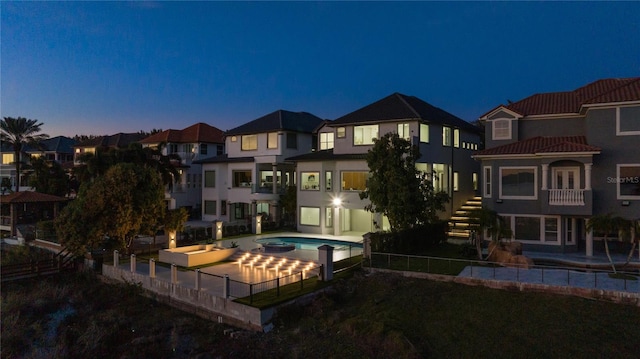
x=27, y=207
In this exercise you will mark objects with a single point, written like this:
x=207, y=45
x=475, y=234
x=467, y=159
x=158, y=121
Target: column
x=545, y=175
x=116, y=258
x=325, y=258
x=337, y=229
x=152, y=268
x=587, y=176
x=198, y=279
x=274, y=168
x=174, y=274
x=225, y=286
x=133, y=263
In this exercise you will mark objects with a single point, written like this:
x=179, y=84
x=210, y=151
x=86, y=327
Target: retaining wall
x=590, y=293
x=200, y=254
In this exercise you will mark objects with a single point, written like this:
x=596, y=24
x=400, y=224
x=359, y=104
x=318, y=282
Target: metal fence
x=628, y=280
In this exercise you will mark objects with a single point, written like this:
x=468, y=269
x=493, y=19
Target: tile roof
x=197, y=133
x=30, y=197
x=400, y=107
x=541, y=145
x=598, y=92
x=327, y=155
x=279, y=120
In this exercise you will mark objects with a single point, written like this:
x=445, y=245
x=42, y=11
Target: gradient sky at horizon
x=107, y=67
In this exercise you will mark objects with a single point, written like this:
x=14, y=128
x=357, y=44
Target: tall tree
x=396, y=188
x=487, y=220
x=48, y=177
x=19, y=132
x=128, y=200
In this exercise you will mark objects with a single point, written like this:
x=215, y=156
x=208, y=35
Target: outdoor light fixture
x=626, y=203
x=337, y=202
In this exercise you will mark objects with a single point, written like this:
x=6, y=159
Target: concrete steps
x=459, y=223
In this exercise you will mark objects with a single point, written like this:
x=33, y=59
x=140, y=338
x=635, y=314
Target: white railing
x=566, y=197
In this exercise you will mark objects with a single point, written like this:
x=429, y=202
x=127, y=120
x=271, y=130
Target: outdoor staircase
x=460, y=223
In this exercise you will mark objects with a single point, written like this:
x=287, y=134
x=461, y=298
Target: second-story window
x=446, y=136
x=203, y=149
x=403, y=131
x=364, y=135
x=456, y=137
x=628, y=121
x=173, y=148
x=341, y=132
x=326, y=140
x=501, y=129
x=249, y=142
x=424, y=133
x=272, y=140
x=209, y=179
x=354, y=181
x=219, y=150
x=188, y=147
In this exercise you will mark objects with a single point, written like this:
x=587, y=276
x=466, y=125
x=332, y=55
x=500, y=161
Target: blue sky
x=107, y=67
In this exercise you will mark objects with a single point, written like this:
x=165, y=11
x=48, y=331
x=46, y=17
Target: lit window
x=403, y=131
x=326, y=140
x=354, y=181
x=446, y=136
x=249, y=142
x=487, y=182
x=328, y=217
x=424, y=133
x=310, y=181
x=327, y=180
x=456, y=138
x=310, y=216
x=474, y=180
x=455, y=181
x=7, y=158
x=272, y=140
x=241, y=178
x=364, y=135
x=341, y=132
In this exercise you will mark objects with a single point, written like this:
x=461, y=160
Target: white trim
x=541, y=240
x=493, y=129
x=537, y=155
x=535, y=182
x=611, y=104
x=552, y=116
x=623, y=133
x=501, y=108
x=485, y=193
x=574, y=169
x=618, y=195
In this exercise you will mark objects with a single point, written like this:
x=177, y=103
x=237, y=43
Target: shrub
x=413, y=240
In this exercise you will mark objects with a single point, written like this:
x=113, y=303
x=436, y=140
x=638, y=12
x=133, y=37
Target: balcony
x=566, y=197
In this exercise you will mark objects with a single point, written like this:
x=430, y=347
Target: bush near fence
x=417, y=239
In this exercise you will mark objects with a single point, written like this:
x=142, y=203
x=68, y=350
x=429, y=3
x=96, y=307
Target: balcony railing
x=268, y=189
x=566, y=197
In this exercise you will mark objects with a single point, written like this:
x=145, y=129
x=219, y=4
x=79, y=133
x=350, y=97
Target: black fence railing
x=627, y=280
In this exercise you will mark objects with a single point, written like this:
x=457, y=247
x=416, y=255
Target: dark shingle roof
x=399, y=107
x=279, y=120
x=118, y=140
x=59, y=144
x=601, y=91
x=200, y=132
x=327, y=155
x=541, y=145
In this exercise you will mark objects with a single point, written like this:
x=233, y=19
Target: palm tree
x=607, y=224
x=631, y=231
x=488, y=220
x=19, y=132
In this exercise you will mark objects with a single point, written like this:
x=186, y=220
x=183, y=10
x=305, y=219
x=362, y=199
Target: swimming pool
x=307, y=248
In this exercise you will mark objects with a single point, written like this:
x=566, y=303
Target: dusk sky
x=107, y=67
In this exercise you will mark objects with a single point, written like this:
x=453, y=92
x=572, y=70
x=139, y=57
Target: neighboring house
x=58, y=149
x=251, y=177
x=191, y=144
x=338, y=170
x=119, y=140
x=553, y=160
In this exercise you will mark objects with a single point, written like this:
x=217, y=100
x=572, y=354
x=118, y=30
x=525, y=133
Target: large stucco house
x=553, y=160
x=330, y=179
x=190, y=144
x=253, y=174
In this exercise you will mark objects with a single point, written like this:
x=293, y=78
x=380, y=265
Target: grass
x=360, y=316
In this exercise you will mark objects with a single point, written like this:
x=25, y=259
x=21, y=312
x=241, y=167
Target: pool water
x=303, y=247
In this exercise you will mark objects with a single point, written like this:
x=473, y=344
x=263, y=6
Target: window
x=204, y=149
x=341, y=132
x=292, y=140
x=327, y=180
x=210, y=207
x=474, y=180
x=234, y=138
x=249, y=142
x=173, y=148
x=310, y=181
x=424, y=133
x=209, y=179
x=241, y=178
x=354, y=181
x=455, y=181
x=551, y=233
x=7, y=158
x=440, y=177
x=501, y=129
x=219, y=150
x=272, y=140
x=188, y=148
x=310, y=216
x=518, y=182
x=527, y=229
x=326, y=140
x=223, y=207
x=628, y=181
x=487, y=182
x=364, y=135
x=403, y=131
x=328, y=217
x=628, y=121
x=240, y=210
x=262, y=208
x=456, y=138
x=446, y=136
